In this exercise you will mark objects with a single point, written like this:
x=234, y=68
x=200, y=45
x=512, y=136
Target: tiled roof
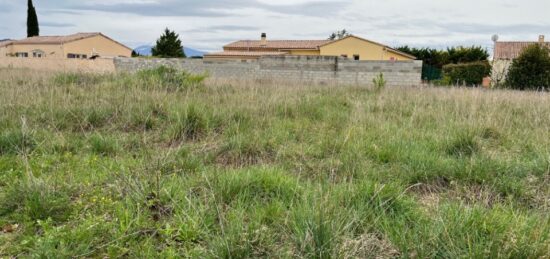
x=57, y=39
x=278, y=44
x=246, y=53
x=511, y=50
x=5, y=42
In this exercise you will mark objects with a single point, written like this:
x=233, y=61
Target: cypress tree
x=168, y=46
x=32, y=21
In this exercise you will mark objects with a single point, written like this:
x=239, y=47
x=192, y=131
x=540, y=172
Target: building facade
x=351, y=47
x=75, y=46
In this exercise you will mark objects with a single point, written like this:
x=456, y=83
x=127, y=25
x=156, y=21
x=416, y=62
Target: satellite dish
x=495, y=38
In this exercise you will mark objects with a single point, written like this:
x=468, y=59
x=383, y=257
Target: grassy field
x=138, y=166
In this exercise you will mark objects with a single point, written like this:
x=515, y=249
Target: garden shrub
x=531, y=70
x=470, y=74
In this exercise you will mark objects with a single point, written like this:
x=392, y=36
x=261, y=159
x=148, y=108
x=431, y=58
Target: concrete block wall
x=307, y=69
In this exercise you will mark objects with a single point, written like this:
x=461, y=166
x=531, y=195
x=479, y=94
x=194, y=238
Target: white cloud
x=209, y=24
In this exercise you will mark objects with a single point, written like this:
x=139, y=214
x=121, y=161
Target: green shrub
x=531, y=70
x=13, y=142
x=168, y=78
x=470, y=74
x=435, y=59
x=445, y=81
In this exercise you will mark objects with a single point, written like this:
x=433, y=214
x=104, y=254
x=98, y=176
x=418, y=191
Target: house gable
x=80, y=45
x=97, y=45
x=351, y=46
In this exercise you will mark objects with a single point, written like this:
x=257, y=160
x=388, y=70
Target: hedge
x=470, y=74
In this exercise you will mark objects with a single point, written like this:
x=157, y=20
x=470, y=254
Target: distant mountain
x=145, y=50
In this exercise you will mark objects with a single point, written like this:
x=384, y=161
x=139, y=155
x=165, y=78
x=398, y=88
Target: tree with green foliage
x=168, y=46
x=435, y=60
x=339, y=35
x=461, y=54
x=32, y=21
x=453, y=55
x=531, y=70
x=135, y=54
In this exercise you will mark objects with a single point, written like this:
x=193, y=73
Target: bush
x=531, y=70
x=435, y=59
x=470, y=74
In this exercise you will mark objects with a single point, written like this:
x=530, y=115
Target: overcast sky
x=209, y=24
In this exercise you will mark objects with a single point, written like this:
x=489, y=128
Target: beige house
x=77, y=46
x=351, y=47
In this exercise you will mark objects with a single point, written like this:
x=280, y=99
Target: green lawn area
x=140, y=166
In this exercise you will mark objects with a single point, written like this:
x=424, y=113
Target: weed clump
x=379, y=82
x=463, y=145
x=164, y=77
x=14, y=142
x=36, y=200
x=257, y=186
x=191, y=125
x=103, y=146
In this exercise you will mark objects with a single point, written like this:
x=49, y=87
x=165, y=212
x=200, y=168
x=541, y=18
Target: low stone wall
x=307, y=69
x=296, y=69
x=60, y=65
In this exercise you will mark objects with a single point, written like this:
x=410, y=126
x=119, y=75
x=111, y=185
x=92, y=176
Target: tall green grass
x=163, y=163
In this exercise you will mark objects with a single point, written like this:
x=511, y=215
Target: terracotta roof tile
x=511, y=50
x=277, y=44
x=246, y=53
x=57, y=39
x=5, y=42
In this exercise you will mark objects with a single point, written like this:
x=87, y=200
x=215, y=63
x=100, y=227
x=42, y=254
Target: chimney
x=541, y=39
x=263, y=42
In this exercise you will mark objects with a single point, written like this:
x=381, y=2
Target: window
x=356, y=57
x=80, y=56
x=22, y=54
x=344, y=55
x=37, y=53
